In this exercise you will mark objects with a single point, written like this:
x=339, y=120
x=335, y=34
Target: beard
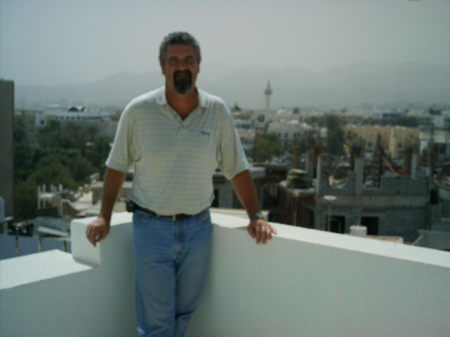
x=182, y=80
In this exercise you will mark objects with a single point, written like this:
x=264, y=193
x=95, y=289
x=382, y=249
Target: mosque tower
x=268, y=92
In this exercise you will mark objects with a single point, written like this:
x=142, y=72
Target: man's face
x=180, y=67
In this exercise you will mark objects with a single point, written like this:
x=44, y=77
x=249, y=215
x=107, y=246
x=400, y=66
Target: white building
x=303, y=283
x=61, y=114
x=288, y=132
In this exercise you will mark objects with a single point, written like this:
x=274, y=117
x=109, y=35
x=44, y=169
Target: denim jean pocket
x=205, y=217
x=141, y=218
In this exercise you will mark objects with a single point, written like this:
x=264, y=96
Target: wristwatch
x=256, y=216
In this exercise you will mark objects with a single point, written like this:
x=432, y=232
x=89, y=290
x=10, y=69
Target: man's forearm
x=111, y=187
x=258, y=228
x=245, y=189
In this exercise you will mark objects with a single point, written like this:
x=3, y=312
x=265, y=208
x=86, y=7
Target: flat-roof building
x=7, y=145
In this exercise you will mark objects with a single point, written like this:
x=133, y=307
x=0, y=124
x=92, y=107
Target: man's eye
x=176, y=62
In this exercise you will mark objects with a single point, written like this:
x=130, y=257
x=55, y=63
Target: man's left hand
x=261, y=230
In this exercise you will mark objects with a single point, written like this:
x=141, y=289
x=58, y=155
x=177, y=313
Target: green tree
x=435, y=111
x=51, y=170
x=80, y=169
x=410, y=122
x=335, y=135
x=23, y=152
x=64, y=154
x=25, y=199
x=116, y=116
x=267, y=146
x=98, y=150
x=69, y=136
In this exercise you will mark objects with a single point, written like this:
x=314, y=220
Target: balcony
x=305, y=283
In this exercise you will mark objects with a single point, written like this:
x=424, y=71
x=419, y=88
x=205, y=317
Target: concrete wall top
x=357, y=244
x=37, y=267
x=82, y=250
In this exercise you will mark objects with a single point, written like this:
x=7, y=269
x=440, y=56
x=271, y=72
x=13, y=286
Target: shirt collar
x=161, y=97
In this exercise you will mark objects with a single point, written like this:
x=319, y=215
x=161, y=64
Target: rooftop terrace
x=305, y=283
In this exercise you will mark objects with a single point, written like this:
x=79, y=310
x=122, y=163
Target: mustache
x=179, y=73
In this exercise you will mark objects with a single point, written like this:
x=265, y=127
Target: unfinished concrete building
x=397, y=206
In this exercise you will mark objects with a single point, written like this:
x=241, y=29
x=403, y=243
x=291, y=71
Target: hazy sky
x=66, y=41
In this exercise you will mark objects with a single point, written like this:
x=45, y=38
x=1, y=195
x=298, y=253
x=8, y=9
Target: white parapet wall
x=86, y=294
x=303, y=283
x=311, y=283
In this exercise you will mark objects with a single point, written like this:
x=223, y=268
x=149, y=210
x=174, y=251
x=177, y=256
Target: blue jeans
x=171, y=262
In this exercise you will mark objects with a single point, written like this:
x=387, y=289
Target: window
x=371, y=222
x=337, y=224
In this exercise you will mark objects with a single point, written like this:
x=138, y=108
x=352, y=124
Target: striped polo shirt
x=174, y=159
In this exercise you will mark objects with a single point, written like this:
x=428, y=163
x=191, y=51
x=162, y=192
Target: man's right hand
x=97, y=230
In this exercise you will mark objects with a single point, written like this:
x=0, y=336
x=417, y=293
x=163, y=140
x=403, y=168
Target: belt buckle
x=174, y=217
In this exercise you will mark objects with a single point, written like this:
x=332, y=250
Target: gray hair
x=178, y=38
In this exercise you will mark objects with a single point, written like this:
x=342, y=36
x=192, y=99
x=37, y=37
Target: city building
x=247, y=127
x=289, y=132
x=389, y=115
x=394, y=140
x=7, y=145
x=343, y=196
x=71, y=114
x=224, y=196
x=295, y=200
x=439, y=140
x=398, y=206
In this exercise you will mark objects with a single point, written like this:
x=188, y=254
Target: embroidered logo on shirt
x=205, y=132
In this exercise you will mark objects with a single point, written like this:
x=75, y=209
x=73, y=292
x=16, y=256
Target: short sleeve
x=232, y=159
x=121, y=155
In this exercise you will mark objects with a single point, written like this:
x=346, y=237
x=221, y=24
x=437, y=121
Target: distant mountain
x=115, y=90
x=350, y=85
x=389, y=83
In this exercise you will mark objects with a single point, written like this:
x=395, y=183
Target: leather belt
x=174, y=217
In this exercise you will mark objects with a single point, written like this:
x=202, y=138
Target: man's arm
x=259, y=229
x=99, y=228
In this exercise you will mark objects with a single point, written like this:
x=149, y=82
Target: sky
x=50, y=42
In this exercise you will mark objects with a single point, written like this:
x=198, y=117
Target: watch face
x=256, y=216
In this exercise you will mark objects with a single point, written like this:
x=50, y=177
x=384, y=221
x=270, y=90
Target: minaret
x=268, y=92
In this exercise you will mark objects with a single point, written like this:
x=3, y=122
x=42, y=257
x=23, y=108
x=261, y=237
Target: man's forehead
x=180, y=49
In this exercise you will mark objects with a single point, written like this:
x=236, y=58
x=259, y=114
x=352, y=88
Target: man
x=175, y=137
